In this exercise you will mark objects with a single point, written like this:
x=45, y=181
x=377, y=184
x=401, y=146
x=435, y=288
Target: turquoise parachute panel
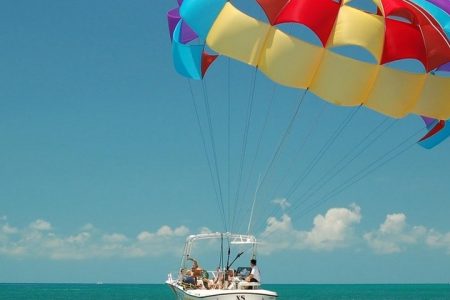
x=438, y=14
x=201, y=14
x=436, y=138
x=187, y=58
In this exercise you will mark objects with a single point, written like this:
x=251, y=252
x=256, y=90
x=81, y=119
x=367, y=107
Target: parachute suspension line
x=283, y=140
x=244, y=145
x=258, y=146
x=202, y=134
x=323, y=151
x=326, y=177
x=369, y=169
x=334, y=170
x=293, y=162
x=253, y=206
x=360, y=175
x=319, y=155
x=213, y=146
x=229, y=143
x=284, y=136
x=221, y=252
x=300, y=148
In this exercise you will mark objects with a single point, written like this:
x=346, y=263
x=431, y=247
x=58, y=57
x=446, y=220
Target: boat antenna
x=228, y=257
x=221, y=252
x=228, y=263
x=237, y=256
x=253, y=205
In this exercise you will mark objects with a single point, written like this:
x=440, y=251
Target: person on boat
x=195, y=267
x=231, y=280
x=217, y=283
x=188, y=278
x=200, y=276
x=255, y=275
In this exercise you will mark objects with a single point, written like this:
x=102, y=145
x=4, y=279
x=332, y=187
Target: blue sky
x=103, y=173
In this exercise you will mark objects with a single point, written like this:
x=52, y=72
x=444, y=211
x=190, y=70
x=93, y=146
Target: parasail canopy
x=292, y=62
x=202, y=30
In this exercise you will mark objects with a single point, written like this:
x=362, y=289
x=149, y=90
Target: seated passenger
x=218, y=281
x=231, y=280
x=195, y=267
x=255, y=275
x=188, y=277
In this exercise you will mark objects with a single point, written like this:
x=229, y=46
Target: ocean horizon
x=117, y=291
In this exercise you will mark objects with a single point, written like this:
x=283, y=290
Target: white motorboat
x=226, y=283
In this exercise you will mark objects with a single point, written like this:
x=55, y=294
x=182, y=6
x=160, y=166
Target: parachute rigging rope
x=213, y=146
x=205, y=150
x=221, y=252
x=293, y=162
x=260, y=138
x=207, y=156
x=283, y=139
x=244, y=144
x=329, y=143
x=229, y=143
x=323, y=151
x=284, y=136
x=365, y=171
x=325, y=177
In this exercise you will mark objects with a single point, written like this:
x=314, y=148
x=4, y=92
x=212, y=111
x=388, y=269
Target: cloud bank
x=333, y=230
x=39, y=240
x=337, y=228
x=394, y=235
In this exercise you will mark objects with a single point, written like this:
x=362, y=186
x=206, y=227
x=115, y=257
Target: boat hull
x=259, y=294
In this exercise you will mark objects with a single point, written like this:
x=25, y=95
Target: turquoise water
x=286, y=292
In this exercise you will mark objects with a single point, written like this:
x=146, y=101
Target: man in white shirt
x=255, y=275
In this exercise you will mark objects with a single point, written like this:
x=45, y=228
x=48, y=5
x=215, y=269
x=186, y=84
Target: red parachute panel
x=403, y=40
x=317, y=15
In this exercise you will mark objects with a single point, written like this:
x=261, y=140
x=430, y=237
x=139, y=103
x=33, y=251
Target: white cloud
x=145, y=236
x=12, y=250
x=205, y=230
x=80, y=238
x=278, y=235
x=335, y=229
x=41, y=225
x=165, y=231
x=394, y=235
x=168, y=231
x=282, y=202
x=166, y=240
x=331, y=231
x=6, y=229
x=40, y=240
x=282, y=225
x=114, y=238
x=438, y=240
x=181, y=231
x=88, y=227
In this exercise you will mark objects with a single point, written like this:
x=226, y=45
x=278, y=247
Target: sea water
x=285, y=292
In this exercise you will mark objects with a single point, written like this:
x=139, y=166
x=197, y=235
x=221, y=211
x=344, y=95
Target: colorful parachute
x=439, y=130
x=401, y=29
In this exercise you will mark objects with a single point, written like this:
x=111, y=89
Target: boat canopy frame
x=233, y=238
